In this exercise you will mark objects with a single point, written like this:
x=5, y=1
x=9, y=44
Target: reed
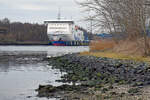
x=101, y=45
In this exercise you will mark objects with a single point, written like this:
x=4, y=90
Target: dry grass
x=124, y=49
x=100, y=45
x=117, y=56
x=129, y=47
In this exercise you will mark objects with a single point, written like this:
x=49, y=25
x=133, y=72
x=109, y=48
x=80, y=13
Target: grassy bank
x=117, y=56
x=122, y=49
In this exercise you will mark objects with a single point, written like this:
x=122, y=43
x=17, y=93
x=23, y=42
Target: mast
x=59, y=14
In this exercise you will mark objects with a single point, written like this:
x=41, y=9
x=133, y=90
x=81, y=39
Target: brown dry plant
x=102, y=45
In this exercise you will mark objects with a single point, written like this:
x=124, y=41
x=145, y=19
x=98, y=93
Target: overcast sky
x=39, y=10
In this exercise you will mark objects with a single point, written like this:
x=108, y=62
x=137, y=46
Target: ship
x=65, y=33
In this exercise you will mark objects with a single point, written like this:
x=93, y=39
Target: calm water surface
x=22, y=69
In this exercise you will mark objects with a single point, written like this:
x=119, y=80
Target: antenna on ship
x=71, y=17
x=59, y=14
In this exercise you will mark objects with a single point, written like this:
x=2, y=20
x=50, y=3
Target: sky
x=36, y=11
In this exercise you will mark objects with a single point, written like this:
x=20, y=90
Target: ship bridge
x=59, y=26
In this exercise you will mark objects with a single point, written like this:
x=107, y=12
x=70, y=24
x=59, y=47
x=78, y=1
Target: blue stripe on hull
x=70, y=43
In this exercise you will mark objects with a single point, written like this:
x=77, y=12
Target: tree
x=120, y=16
x=23, y=32
x=5, y=21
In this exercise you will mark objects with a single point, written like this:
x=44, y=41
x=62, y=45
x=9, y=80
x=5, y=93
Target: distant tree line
x=22, y=32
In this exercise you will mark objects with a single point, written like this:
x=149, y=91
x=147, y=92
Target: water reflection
x=17, y=60
x=22, y=69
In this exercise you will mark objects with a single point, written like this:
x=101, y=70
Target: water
x=22, y=69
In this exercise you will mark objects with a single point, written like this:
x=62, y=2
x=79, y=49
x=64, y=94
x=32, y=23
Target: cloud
x=24, y=4
x=38, y=10
x=32, y=7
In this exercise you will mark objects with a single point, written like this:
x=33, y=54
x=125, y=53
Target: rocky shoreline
x=103, y=78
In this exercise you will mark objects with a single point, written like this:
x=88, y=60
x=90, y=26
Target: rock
x=138, y=84
x=92, y=71
x=118, y=65
x=46, y=89
x=29, y=96
x=134, y=90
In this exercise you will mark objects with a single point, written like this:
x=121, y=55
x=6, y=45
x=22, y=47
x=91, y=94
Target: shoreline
x=28, y=44
x=103, y=76
x=24, y=43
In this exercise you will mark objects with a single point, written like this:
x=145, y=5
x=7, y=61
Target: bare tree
x=120, y=16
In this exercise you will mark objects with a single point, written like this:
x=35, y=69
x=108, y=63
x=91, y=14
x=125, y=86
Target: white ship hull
x=61, y=37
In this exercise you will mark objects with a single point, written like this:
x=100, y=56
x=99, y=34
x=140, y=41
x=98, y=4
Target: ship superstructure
x=61, y=32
